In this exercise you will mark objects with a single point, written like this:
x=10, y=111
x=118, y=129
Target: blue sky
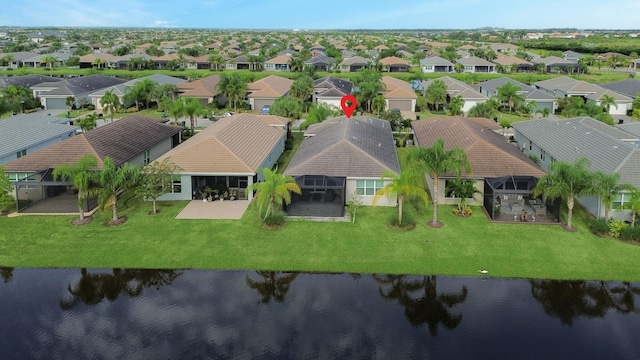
x=327, y=14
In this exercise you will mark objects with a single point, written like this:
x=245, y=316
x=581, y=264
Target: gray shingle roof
x=23, y=131
x=26, y=80
x=351, y=147
x=568, y=140
x=83, y=84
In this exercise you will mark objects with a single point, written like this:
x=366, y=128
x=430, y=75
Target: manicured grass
x=461, y=247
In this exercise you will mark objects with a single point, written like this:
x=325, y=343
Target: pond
x=171, y=314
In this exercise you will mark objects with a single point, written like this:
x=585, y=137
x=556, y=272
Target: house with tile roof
x=330, y=90
x=554, y=63
x=436, y=64
x=27, y=133
x=542, y=99
x=321, y=63
x=205, y=90
x=53, y=95
x=227, y=155
x=609, y=149
x=354, y=64
x=566, y=86
x=135, y=139
x=473, y=64
x=278, y=63
x=497, y=166
x=456, y=87
x=121, y=90
x=266, y=90
x=341, y=157
x=513, y=63
x=399, y=95
x=394, y=64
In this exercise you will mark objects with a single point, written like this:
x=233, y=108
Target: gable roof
x=567, y=140
x=397, y=89
x=530, y=93
x=271, y=86
x=81, y=85
x=334, y=86
x=236, y=144
x=393, y=60
x=26, y=80
x=356, y=60
x=628, y=87
x=474, y=61
x=205, y=87
x=489, y=153
x=567, y=85
x=280, y=59
x=456, y=87
x=121, y=140
x=22, y=131
x=351, y=147
x=435, y=61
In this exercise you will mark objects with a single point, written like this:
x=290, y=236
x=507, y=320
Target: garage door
x=259, y=103
x=55, y=103
x=403, y=105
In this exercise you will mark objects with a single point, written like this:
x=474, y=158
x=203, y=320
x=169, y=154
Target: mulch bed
x=78, y=222
x=406, y=227
x=118, y=222
x=435, y=225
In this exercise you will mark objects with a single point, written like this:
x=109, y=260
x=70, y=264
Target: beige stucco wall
x=367, y=200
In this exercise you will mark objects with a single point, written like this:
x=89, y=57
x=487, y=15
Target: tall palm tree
x=634, y=205
x=233, y=88
x=83, y=176
x=193, y=108
x=510, y=93
x=400, y=186
x=435, y=161
x=606, y=101
x=110, y=103
x=436, y=93
x=606, y=187
x=566, y=181
x=49, y=60
x=378, y=104
x=113, y=181
x=302, y=88
x=455, y=105
x=273, y=191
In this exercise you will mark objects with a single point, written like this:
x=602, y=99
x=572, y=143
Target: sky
x=326, y=14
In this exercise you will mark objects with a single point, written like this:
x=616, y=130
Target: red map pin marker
x=348, y=110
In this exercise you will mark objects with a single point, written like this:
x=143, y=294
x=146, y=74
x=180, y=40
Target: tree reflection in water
x=7, y=274
x=568, y=300
x=273, y=284
x=421, y=301
x=91, y=289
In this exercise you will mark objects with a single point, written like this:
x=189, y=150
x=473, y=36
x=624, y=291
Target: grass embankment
x=461, y=247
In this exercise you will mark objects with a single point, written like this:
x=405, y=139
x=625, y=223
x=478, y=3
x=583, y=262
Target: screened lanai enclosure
x=322, y=196
x=510, y=198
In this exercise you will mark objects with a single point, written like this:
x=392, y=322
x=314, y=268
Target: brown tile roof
x=398, y=89
x=237, y=144
x=281, y=59
x=271, y=86
x=121, y=140
x=489, y=153
x=205, y=87
x=393, y=60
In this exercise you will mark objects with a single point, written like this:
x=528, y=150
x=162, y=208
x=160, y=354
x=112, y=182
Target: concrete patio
x=197, y=209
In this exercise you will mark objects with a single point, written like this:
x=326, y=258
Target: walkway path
x=197, y=209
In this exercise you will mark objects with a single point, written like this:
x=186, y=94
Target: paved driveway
x=197, y=209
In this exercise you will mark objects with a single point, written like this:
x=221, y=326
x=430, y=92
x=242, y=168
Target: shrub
x=275, y=219
x=91, y=107
x=599, y=226
x=616, y=226
x=630, y=233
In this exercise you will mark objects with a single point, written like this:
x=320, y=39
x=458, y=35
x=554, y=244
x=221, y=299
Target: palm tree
x=296, y=64
x=140, y=92
x=455, y=105
x=233, y=88
x=216, y=60
x=378, y=104
x=509, y=93
x=176, y=110
x=273, y=191
x=606, y=187
x=193, y=108
x=435, y=161
x=302, y=88
x=113, y=181
x=88, y=122
x=110, y=103
x=634, y=205
x=436, y=93
x=83, y=176
x=568, y=181
x=606, y=101
x=49, y=60
x=544, y=112
x=400, y=186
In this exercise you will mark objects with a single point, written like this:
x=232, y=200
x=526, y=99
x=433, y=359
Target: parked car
x=265, y=110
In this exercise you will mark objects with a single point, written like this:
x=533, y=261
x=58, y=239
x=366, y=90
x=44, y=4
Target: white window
x=21, y=153
x=368, y=187
x=176, y=186
x=621, y=201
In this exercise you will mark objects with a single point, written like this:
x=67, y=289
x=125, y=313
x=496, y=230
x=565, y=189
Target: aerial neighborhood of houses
x=449, y=91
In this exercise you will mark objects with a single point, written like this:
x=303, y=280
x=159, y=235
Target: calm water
x=166, y=314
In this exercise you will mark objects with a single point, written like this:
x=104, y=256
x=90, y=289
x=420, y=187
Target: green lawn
x=461, y=247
